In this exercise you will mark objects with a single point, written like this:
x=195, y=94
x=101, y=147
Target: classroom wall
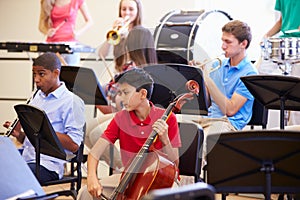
x=19, y=22
x=19, y=19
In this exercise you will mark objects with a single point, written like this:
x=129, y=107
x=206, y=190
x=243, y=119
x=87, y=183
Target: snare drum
x=280, y=49
x=292, y=48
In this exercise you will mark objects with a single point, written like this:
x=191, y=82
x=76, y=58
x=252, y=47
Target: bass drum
x=182, y=36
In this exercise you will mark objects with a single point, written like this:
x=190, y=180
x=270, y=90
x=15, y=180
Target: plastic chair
x=190, y=153
x=259, y=115
x=74, y=178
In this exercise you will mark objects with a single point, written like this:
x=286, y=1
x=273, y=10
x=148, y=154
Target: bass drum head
x=182, y=36
x=208, y=42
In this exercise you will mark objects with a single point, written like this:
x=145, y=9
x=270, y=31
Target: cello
x=150, y=169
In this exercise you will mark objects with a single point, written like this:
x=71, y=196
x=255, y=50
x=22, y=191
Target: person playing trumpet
x=230, y=101
x=129, y=10
x=140, y=52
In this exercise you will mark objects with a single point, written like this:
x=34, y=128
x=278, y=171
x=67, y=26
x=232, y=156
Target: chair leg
x=224, y=196
x=111, y=155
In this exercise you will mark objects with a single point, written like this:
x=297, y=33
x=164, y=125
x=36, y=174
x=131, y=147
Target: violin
x=150, y=169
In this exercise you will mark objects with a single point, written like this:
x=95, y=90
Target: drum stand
x=285, y=67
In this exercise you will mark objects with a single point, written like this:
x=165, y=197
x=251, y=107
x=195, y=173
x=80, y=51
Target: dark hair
x=48, y=60
x=240, y=30
x=140, y=46
x=138, y=78
x=119, y=52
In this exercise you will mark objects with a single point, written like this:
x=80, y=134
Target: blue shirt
x=65, y=111
x=227, y=79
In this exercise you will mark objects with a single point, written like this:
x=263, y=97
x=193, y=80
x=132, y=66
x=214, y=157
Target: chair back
x=190, y=152
x=259, y=115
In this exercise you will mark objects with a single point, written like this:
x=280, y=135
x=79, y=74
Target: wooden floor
x=50, y=189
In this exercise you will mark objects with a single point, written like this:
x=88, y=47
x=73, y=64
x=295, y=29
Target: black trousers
x=45, y=174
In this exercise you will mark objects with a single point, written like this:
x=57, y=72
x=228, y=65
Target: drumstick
x=61, y=24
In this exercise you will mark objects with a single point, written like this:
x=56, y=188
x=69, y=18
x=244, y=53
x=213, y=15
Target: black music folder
x=16, y=177
x=170, y=81
x=84, y=83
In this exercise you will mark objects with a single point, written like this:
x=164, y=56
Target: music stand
x=170, y=81
x=40, y=133
x=275, y=92
x=83, y=82
x=263, y=161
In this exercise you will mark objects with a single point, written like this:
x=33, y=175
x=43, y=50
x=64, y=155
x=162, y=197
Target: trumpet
x=211, y=60
x=114, y=36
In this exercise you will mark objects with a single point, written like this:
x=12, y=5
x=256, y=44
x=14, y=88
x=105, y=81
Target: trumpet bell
x=113, y=37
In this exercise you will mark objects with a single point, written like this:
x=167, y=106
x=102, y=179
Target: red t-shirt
x=66, y=17
x=132, y=133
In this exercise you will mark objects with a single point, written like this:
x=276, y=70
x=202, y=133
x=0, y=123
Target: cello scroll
x=194, y=89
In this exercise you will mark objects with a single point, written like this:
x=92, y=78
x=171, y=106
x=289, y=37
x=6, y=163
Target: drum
x=281, y=49
x=182, y=36
x=292, y=48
